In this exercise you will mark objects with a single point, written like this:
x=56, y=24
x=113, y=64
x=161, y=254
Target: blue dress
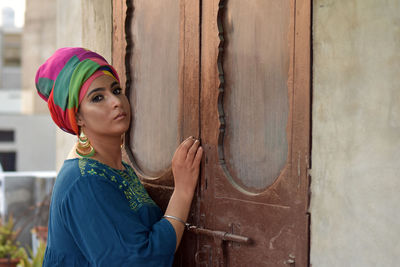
x=100, y=216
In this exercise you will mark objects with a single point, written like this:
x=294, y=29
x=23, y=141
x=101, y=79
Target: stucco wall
x=355, y=209
x=97, y=26
x=38, y=43
x=85, y=23
x=69, y=23
x=69, y=33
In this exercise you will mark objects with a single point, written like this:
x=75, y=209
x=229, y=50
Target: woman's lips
x=120, y=116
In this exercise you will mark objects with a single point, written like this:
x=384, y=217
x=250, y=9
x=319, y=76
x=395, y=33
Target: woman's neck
x=107, y=151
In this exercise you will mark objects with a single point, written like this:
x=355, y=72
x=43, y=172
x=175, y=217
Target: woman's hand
x=186, y=166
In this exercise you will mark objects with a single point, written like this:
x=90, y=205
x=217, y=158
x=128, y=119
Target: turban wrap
x=63, y=80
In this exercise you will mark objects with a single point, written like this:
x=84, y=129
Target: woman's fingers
x=182, y=150
x=185, y=165
x=187, y=144
x=197, y=159
x=192, y=151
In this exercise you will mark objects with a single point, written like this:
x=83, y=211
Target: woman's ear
x=78, y=119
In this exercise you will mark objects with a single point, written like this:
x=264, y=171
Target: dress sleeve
x=109, y=232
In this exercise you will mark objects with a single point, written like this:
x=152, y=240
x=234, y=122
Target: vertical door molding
x=302, y=127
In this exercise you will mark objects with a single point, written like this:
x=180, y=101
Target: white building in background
x=8, y=20
x=27, y=135
x=10, y=63
x=27, y=140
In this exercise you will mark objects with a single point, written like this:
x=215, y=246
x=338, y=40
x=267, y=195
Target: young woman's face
x=104, y=110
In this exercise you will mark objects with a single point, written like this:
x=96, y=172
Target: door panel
x=254, y=116
x=154, y=85
x=256, y=61
x=156, y=44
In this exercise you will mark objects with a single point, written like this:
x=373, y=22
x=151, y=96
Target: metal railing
x=26, y=196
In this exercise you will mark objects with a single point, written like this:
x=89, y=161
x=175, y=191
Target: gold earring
x=83, y=147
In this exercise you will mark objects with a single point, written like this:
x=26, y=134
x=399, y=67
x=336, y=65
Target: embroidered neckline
x=126, y=180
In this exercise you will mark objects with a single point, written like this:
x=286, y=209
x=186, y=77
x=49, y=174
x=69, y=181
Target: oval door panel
x=256, y=63
x=155, y=85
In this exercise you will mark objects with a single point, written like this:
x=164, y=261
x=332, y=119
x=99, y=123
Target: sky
x=19, y=9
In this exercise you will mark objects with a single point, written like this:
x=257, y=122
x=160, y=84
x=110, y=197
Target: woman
x=100, y=213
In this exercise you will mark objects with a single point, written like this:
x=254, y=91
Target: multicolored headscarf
x=63, y=80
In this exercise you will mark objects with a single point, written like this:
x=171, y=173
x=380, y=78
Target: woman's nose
x=116, y=101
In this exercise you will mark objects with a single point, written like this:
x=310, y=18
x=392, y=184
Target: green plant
x=37, y=259
x=9, y=248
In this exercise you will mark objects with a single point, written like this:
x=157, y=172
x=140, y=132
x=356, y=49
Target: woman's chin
x=120, y=129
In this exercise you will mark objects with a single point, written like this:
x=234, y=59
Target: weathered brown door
x=255, y=129
x=156, y=46
x=235, y=73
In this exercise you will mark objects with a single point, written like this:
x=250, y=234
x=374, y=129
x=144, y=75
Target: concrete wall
x=97, y=27
x=38, y=43
x=69, y=33
x=34, y=141
x=69, y=23
x=355, y=211
x=85, y=23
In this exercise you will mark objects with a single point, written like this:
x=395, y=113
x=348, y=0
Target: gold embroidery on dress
x=126, y=181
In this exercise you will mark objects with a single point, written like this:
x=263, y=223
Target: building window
x=12, y=49
x=6, y=136
x=7, y=160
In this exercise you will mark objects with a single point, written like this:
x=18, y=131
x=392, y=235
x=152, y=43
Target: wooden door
x=255, y=127
x=156, y=46
x=235, y=73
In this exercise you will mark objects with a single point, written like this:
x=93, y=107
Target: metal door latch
x=219, y=238
x=224, y=236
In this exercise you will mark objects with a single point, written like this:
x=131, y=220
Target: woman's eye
x=117, y=91
x=97, y=98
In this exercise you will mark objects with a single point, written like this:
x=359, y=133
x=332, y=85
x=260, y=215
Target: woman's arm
x=185, y=168
x=106, y=229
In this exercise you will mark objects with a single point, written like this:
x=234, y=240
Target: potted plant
x=10, y=252
x=39, y=236
x=40, y=221
x=36, y=260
